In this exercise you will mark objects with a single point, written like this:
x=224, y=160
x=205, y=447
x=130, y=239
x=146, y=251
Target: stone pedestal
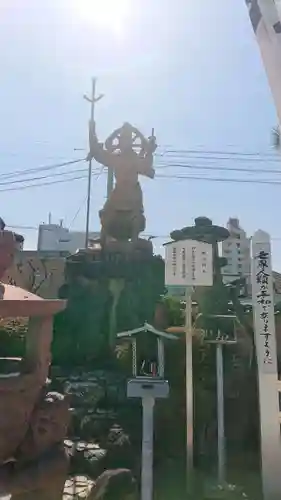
x=108, y=290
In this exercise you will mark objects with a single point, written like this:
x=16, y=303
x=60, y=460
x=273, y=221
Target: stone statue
x=129, y=154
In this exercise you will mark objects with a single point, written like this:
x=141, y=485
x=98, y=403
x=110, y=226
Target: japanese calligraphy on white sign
x=265, y=341
x=263, y=302
x=188, y=263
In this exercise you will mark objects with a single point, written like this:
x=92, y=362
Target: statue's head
x=125, y=138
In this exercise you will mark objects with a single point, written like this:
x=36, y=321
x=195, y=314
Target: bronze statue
x=129, y=154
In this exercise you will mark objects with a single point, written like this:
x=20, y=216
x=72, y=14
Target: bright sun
x=108, y=14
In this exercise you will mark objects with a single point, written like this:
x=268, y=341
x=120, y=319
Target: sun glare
x=111, y=15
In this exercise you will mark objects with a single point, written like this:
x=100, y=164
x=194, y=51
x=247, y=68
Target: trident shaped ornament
x=94, y=100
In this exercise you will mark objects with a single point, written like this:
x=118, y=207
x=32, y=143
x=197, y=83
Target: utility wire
x=220, y=179
x=78, y=177
x=163, y=176
x=224, y=169
x=31, y=179
x=221, y=152
x=172, y=149
x=159, y=166
x=185, y=154
x=20, y=188
x=155, y=236
x=234, y=159
x=235, y=148
x=39, y=169
x=77, y=212
x=163, y=149
x=97, y=176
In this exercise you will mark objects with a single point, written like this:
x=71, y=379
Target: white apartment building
x=56, y=238
x=236, y=249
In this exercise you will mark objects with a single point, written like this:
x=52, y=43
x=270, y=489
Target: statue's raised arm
x=97, y=150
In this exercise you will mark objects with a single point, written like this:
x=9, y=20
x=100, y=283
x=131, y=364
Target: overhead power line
x=184, y=154
x=163, y=176
x=167, y=149
x=234, y=159
x=146, y=235
x=222, y=168
x=97, y=176
x=159, y=166
x=30, y=182
x=31, y=179
x=223, y=152
x=41, y=184
x=221, y=179
x=16, y=173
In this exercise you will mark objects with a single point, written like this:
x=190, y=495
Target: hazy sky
x=189, y=68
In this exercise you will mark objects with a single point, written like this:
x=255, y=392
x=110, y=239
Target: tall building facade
x=56, y=238
x=237, y=250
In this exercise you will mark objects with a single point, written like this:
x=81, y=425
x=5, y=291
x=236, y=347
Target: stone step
x=78, y=487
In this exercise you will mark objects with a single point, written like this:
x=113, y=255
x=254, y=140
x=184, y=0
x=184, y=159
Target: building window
x=238, y=245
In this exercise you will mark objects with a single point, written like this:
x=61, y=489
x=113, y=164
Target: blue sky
x=190, y=69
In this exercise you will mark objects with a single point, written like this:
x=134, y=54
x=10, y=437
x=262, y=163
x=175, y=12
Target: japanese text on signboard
x=188, y=263
x=174, y=261
x=183, y=262
x=264, y=301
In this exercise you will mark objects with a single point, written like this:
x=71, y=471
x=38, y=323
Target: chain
x=134, y=357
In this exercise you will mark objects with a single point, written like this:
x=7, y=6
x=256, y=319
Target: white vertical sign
x=188, y=263
x=263, y=301
x=265, y=341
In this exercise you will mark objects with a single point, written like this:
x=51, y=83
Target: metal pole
x=147, y=448
x=189, y=387
x=110, y=182
x=90, y=168
x=220, y=413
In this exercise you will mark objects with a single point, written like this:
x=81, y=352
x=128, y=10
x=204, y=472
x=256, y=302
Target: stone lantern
x=33, y=421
